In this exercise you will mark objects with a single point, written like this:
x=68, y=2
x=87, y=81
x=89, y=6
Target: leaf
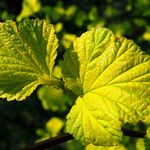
x=52, y=129
x=114, y=77
x=29, y=7
x=54, y=98
x=73, y=144
x=140, y=144
x=67, y=39
x=147, y=139
x=27, y=55
x=54, y=125
x=70, y=68
x=90, y=122
x=93, y=147
x=146, y=120
x=57, y=72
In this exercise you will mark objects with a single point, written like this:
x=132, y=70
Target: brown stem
x=49, y=142
x=66, y=137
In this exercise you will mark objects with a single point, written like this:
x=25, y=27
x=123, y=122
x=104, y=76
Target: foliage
x=70, y=19
x=127, y=18
x=52, y=128
x=37, y=57
x=29, y=8
x=107, y=65
x=108, y=74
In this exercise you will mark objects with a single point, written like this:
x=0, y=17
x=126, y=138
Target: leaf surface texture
x=114, y=75
x=27, y=55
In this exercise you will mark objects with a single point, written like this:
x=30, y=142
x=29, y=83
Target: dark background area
x=19, y=120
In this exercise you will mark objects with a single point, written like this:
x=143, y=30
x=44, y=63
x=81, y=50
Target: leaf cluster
x=109, y=76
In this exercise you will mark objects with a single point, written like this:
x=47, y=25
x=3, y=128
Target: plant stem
x=66, y=137
x=50, y=142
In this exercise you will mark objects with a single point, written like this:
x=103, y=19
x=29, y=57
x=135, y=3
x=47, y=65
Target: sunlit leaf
x=53, y=98
x=147, y=139
x=27, y=55
x=54, y=125
x=114, y=77
x=93, y=147
x=29, y=7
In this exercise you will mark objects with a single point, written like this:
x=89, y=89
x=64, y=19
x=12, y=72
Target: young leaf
x=27, y=55
x=114, y=76
x=147, y=139
x=90, y=122
x=93, y=147
x=54, y=125
x=71, y=71
x=29, y=7
x=54, y=99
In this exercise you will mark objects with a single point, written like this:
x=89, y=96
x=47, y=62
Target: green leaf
x=27, y=55
x=140, y=144
x=54, y=98
x=29, y=7
x=73, y=144
x=54, y=125
x=70, y=69
x=67, y=39
x=90, y=122
x=147, y=139
x=93, y=147
x=114, y=76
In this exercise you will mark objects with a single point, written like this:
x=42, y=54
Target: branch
x=50, y=142
x=66, y=137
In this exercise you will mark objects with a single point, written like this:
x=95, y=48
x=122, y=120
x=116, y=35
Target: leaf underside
x=114, y=79
x=27, y=54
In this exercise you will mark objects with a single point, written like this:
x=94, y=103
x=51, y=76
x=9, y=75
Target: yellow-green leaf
x=114, y=77
x=93, y=147
x=29, y=7
x=27, y=55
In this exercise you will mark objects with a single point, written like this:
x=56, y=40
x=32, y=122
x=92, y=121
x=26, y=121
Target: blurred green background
x=42, y=115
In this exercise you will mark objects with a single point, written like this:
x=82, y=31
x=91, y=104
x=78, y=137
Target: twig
x=49, y=142
x=61, y=139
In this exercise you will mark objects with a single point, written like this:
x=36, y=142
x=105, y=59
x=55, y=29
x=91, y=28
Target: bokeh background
x=42, y=115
